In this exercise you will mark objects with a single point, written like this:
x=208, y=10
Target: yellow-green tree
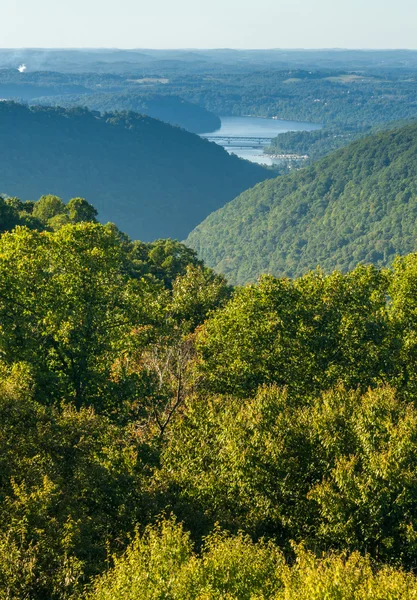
x=69, y=309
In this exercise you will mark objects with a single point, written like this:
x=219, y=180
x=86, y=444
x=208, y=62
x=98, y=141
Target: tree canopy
x=165, y=434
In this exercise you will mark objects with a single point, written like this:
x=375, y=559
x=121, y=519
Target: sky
x=208, y=23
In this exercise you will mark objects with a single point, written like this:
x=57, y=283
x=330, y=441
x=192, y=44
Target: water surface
x=247, y=136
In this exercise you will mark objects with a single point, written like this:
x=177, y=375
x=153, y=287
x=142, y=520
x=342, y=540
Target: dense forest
x=167, y=436
x=357, y=205
x=46, y=214
x=153, y=179
x=171, y=109
x=329, y=97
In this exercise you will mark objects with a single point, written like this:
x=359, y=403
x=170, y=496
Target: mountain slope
x=356, y=205
x=152, y=179
x=171, y=109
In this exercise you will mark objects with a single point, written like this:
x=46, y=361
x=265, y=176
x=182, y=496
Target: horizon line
x=211, y=49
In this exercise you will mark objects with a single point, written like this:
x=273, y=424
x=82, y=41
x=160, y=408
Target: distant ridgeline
x=356, y=205
x=107, y=93
x=171, y=109
x=348, y=104
x=152, y=179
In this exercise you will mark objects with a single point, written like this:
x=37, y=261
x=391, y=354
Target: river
x=247, y=136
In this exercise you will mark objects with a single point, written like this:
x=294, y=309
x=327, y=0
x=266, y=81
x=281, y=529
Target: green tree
x=196, y=294
x=72, y=486
x=9, y=216
x=47, y=207
x=161, y=564
x=306, y=334
x=170, y=258
x=164, y=259
x=251, y=469
x=79, y=210
x=69, y=309
x=367, y=494
x=339, y=470
x=403, y=313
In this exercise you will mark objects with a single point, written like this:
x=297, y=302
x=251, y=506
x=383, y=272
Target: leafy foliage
x=161, y=564
x=85, y=391
x=71, y=482
x=68, y=309
x=337, y=472
x=49, y=212
x=136, y=384
x=306, y=334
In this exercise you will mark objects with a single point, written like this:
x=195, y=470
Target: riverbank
x=248, y=136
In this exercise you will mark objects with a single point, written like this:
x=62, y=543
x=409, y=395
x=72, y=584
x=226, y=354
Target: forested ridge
x=164, y=435
x=153, y=179
x=171, y=109
x=328, y=96
x=357, y=205
x=105, y=94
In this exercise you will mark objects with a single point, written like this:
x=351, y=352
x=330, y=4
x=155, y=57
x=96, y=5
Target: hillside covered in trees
x=105, y=94
x=171, y=109
x=152, y=179
x=357, y=205
x=164, y=435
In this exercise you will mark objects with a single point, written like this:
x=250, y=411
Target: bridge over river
x=239, y=141
x=247, y=136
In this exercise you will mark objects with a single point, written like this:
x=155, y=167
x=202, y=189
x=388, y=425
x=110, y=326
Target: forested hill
x=171, y=109
x=152, y=179
x=356, y=205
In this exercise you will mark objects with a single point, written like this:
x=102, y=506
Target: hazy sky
x=209, y=23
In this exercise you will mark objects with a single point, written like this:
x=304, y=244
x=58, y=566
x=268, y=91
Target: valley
x=154, y=180
x=208, y=306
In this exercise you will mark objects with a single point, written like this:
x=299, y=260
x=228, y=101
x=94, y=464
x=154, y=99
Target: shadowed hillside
x=152, y=179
